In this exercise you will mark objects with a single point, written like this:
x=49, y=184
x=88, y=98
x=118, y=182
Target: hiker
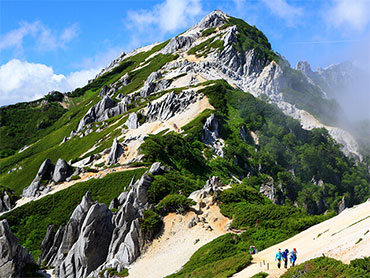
x=293, y=256
x=285, y=255
x=251, y=251
x=278, y=258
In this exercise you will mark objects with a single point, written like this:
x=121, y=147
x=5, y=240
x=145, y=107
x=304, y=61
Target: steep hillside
x=213, y=109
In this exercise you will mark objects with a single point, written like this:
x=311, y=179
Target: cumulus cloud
x=349, y=13
x=284, y=10
x=168, y=16
x=23, y=81
x=44, y=37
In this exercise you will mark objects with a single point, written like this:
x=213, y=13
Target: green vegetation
x=174, y=203
x=265, y=223
x=363, y=263
x=260, y=275
x=30, y=221
x=75, y=177
x=30, y=271
x=326, y=267
x=25, y=123
x=151, y=223
x=113, y=272
x=221, y=257
x=250, y=37
x=286, y=153
x=308, y=97
x=208, y=32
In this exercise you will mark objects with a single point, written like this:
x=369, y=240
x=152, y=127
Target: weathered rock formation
x=5, y=201
x=13, y=257
x=211, y=136
x=132, y=121
x=172, y=104
x=102, y=111
x=115, y=152
x=61, y=171
x=45, y=172
x=94, y=239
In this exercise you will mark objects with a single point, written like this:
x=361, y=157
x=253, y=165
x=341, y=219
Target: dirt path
x=178, y=242
x=336, y=238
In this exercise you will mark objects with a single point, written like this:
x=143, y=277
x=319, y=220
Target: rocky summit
x=181, y=159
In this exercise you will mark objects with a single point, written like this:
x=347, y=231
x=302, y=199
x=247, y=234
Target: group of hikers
x=284, y=256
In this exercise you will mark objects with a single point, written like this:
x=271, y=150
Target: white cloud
x=44, y=37
x=349, y=13
x=168, y=16
x=282, y=9
x=23, y=81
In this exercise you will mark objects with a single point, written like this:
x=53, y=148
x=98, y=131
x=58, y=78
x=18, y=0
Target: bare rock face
x=178, y=43
x=91, y=248
x=5, y=201
x=65, y=237
x=115, y=152
x=132, y=121
x=13, y=257
x=342, y=205
x=44, y=172
x=211, y=135
x=62, y=171
x=94, y=239
x=172, y=104
x=208, y=191
x=102, y=111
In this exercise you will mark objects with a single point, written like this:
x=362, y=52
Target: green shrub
x=151, y=223
x=363, y=263
x=75, y=177
x=174, y=203
x=325, y=267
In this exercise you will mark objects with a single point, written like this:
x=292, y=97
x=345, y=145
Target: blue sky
x=47, y=45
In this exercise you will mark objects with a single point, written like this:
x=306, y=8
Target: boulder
x=62, y=171
x=132, y=121
x=211, y=135
x=115, y=152
x=157, y=169
x=5, y=201
x=13, y=257
x=342, y=205
x=44, y=172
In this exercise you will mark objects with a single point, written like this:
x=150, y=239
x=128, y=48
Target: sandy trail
x=336, y=238
x=178, y=242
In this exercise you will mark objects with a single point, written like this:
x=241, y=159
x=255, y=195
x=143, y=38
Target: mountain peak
x=213, y=19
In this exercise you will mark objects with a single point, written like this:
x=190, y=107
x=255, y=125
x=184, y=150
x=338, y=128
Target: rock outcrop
x=94, y=239
x=172, y=104
x=208, y=194
x=91, y=248
x=115, y=152
x=211, y=136
x=132, y=121
x=102, y=111
x=13, y=257
x=55, y=246
x=45, y=172
x=61, y=171
x=5, y=201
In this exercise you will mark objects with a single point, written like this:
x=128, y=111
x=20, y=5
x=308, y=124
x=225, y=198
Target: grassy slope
x=24, y=123
x=48, y=146
x=30, y=221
